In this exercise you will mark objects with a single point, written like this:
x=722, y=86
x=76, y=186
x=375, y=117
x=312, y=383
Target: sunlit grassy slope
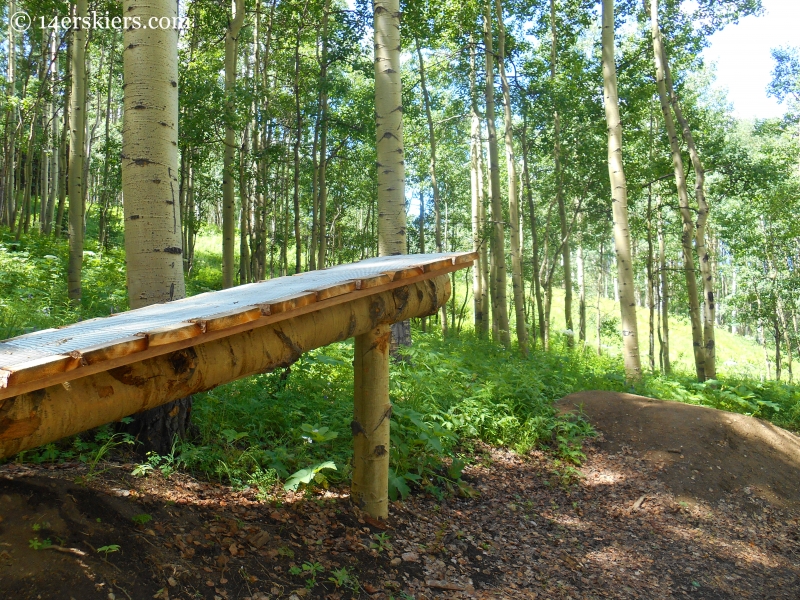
x=736, y=355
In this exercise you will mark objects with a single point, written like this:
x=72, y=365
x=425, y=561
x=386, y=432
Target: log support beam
x=48, y=414
x=372, y=414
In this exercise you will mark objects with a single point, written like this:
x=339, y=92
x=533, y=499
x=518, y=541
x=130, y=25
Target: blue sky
x=743, y=61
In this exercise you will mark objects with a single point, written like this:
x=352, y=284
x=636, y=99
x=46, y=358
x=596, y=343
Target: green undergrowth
x=446, y=396
x=293, y=426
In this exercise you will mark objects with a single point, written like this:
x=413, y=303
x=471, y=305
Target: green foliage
x=106, y=550
x=381, y=543
x=35, y=544
x=306, y=476
x=142, y=519
x=290, y=424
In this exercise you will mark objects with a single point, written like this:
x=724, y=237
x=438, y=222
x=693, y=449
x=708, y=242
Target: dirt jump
x=672, y=501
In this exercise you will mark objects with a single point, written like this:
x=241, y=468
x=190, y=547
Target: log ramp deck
x=63, y=381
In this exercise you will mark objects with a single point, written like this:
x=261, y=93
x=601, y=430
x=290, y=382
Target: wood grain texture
x=228, y=319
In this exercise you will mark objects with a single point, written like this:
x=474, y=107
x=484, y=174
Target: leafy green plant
x=309, y=474
x=35, y=544
x=381, y=543
x=142, y=519
x=341, y=577
x=264, y=480
x=106, y=550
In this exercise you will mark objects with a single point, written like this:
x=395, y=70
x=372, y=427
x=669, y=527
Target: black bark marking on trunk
x=380, y=450
x=387, y=415
x=356, y=428
x=400, y=296
x=126, y=376
x=183, y=361
x=377, y=310
x=289, y=343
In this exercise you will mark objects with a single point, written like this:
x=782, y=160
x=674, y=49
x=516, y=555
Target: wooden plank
x=375, y=281
x=170, y=334
x=110, y=350
x=467, y=257
x=336, y=290
x=39, y=368
x=408, y=272
x=228, y=319
x=437, y=265
x=290, y=303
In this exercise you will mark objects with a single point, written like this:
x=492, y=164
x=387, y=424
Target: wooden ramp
x=62, y=381
x=44, y=358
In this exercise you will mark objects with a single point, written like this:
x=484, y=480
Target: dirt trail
x=648, y=515
x=701, y=453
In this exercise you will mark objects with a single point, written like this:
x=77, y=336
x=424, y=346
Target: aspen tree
x=703, y=256
x=229, y=155
x=437, y=212
x=513, y=198
x=63, y=159
x=76, y=182
x=53, y=149
x=389, y=129
x=562, y=211
x=619, y=199
x=479, y=283
x=150, y=188
x=526, y=176
x=500, y=328
x=663, y=296
x=322, y=173
x=683, y=197
x=389, y=140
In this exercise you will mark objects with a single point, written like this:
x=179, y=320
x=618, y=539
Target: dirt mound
x=701, y=453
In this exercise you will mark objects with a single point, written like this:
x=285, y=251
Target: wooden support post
x=373, y=411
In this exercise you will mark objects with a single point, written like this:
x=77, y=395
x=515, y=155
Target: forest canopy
x=505, y=146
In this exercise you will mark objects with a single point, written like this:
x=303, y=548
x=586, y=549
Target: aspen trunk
x=150, y=186
x=479, y=279
x=11, y=118
x=651, y=285
x=513, y=197
x=537, y=285
x=662, y=262
x=599, y=324
x=47, y=415
x=480, y=304
x=63, y=159
x=75, y=182
x=581, y=295
x=562, y=211
x=298, y=140
x=229, y=154
x=683, y=198
x=619, y=192
x=372, y=414
x=389, y=129
x=437, y=211
x=104, y=194
x=498, y=283
x=322, y=186
x=389, y=140
x=703, y=256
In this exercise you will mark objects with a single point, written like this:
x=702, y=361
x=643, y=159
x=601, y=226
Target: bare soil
x=647, y=515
